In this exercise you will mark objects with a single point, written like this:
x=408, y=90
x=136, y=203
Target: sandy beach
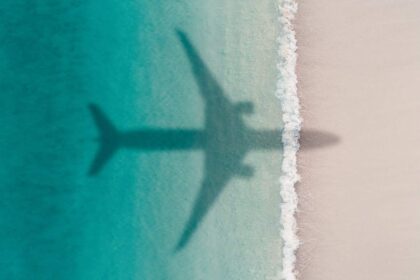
x=358, y=71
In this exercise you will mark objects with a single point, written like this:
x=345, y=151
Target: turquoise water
x=56, y=221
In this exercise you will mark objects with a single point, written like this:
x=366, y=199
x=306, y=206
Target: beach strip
x=358, y=78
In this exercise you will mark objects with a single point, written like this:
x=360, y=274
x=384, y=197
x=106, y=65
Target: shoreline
x=357, y=70
x=287, y=93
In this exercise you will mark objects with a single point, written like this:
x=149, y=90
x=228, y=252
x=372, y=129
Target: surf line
x=286, y=91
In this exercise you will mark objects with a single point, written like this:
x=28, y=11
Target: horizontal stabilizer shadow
x=108, y=139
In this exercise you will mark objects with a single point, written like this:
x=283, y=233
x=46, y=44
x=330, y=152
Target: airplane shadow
x=225, y=140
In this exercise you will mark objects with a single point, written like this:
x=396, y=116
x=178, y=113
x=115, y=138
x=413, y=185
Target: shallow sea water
x=59, y=222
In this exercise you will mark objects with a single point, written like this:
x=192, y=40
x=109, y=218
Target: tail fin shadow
x=108, y=140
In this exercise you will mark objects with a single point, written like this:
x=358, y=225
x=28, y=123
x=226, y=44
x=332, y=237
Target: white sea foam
x=287, y=93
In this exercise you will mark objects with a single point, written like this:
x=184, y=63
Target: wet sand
x=359, y=79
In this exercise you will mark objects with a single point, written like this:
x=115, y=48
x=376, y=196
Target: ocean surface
x=174, y=193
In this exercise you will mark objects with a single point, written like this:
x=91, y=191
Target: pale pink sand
x=359, y=78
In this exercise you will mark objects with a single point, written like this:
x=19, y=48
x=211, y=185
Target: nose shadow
x=316, y=139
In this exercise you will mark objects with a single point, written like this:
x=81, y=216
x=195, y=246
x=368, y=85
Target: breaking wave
x=287, y=93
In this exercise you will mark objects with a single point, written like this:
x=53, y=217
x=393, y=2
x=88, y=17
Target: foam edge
x=286, y=91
